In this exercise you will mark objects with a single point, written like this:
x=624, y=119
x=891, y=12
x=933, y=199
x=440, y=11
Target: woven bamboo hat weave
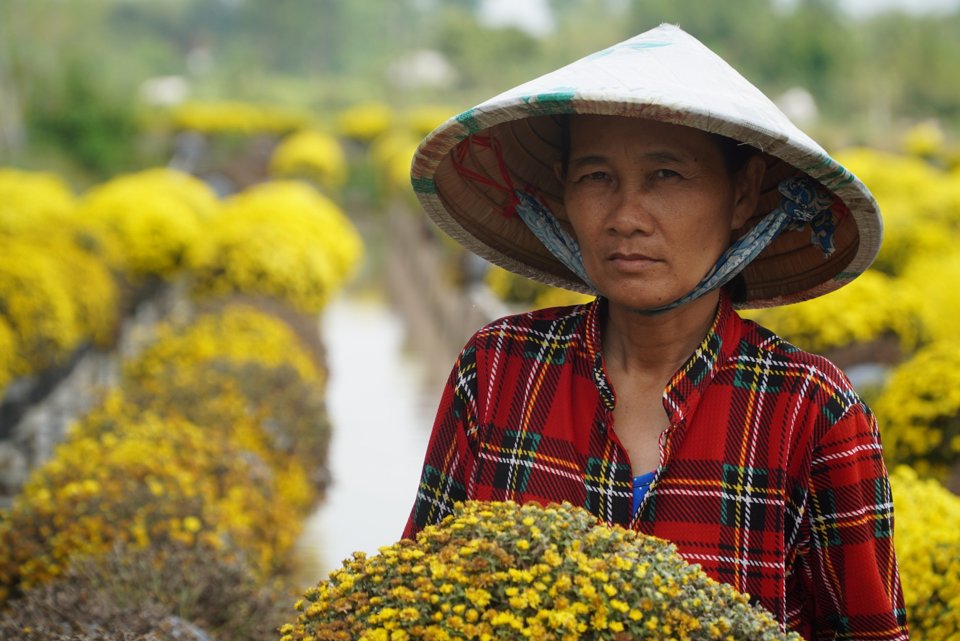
x=468, y=171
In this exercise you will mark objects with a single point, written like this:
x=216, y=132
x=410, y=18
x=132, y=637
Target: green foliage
x=87, y=119
x=149, y=595
x=76, y=68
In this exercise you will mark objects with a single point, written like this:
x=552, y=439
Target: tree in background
x=74, y=69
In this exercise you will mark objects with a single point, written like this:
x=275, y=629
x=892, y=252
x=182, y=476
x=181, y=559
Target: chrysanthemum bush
x=165, y=592
x=156, y=217
x=312, y=155
x=140, y=476
x=238, y=333
x=7, y=346
x=136, y=481
x=85, y=274
x=925, y=139
x=872, y=307
x=242, y=374
x=201, y=444
x=928, y=552
x=56, y=289
x=28, y=198
x=268, y=410
x=920, y=204
x=504, y=571
x=918, y=410
x=38, y=307
x=365, y=121
x=929, y=284
x=236, y=117
x=517, y=290
x=281, y=239
x=390, y=155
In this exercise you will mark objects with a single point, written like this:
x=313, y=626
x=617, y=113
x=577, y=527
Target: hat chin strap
x=803, y=201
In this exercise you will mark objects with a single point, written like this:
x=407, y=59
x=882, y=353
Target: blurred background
x=225, y=322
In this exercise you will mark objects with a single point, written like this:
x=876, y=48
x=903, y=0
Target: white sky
x=531, y=15
x=534, y=15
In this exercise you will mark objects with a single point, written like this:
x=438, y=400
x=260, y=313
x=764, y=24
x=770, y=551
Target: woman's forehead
x=590, y=134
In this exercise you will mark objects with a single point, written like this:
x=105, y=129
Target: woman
x=654, y=176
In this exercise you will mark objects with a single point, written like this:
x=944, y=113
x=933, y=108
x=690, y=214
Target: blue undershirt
x=640, y=486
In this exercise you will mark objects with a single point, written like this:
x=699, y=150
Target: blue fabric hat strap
x=555, y=238
x=803, y=201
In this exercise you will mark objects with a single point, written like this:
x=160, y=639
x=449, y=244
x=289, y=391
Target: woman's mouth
x=630, y=261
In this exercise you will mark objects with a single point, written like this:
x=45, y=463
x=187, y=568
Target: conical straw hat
x=465, y=171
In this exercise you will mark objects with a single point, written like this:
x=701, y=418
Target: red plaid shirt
x=771, y=476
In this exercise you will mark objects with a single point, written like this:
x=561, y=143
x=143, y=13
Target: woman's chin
x=643, y=301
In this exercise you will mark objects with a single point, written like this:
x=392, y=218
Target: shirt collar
x=687, y=385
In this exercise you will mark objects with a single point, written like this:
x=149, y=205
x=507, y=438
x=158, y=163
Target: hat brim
x=466, y=188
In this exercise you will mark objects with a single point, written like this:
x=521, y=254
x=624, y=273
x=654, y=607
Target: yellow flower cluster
x=30, y=198
x=312, y=155
x=155, y=216
x=390, y=156
x=505, y=571
x=515, y=289
x=928, y=552
x=157, y=479
x=53, y=296
x=56, y=290
x=928, y=287
x=924, y=139
x=8, y=345
x=920, y=204
x=37, y=306
x=234, y=117
x=234, y=367
x=871, y=307
x=238, y=334
x=365, y=121
x=281, y=239
x=423, y=119
x=266, y=410
x=180, y=452
x=919, y=410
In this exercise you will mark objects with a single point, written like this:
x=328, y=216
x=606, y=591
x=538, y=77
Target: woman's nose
x=629, y=212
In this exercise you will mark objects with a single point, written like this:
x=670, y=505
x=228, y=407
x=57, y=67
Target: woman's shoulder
x=769, y=347
x=543, y=319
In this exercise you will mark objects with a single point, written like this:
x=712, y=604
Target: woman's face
x=652, y=205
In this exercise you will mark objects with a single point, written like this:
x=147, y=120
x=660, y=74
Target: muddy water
x=381, y=412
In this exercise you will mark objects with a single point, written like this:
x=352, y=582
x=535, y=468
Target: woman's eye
x=594, y=176
x=666, y=173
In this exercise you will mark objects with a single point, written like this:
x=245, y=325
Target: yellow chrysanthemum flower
x=918, y=409
x=365, y=121
x=313, y=155
x=928, y=552
x=282, y=239
x=235, y=117
x=871, y=307
x=511, y=593
x=38, y=307
x=155, y=216
x=31, y=198
x=920, y=204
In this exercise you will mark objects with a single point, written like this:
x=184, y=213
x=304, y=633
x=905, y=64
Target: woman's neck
x=657, y=345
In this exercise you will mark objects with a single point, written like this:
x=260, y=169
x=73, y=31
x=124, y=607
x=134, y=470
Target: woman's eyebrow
x=665, y=155
x=580, y=161
x=656, y=155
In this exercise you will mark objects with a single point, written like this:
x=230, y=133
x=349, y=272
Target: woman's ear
x=747, y=190
x=558, y=172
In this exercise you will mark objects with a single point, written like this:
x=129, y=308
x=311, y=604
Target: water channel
x=381, y=410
